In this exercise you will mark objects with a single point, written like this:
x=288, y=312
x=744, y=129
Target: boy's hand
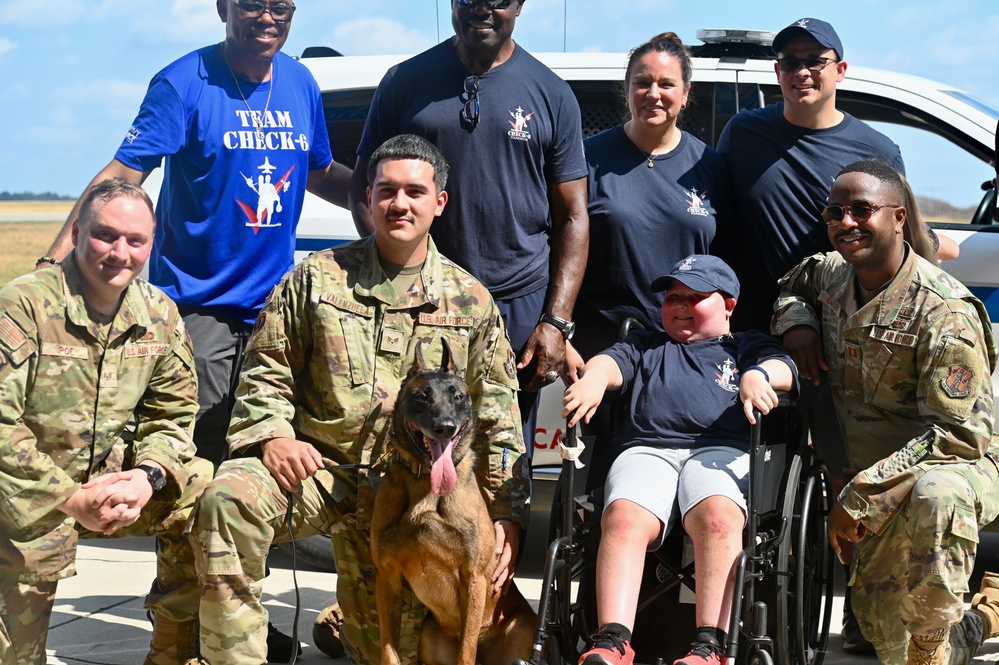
x=573, y=369
x=583, y=397
x=755, y=392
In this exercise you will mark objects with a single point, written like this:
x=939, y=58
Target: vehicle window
x=346, y=111
x=946, y=179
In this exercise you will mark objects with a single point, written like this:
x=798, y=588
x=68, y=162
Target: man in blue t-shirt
x=240, y=131
x=511, y=130
x=783, y=159
x=239, y=127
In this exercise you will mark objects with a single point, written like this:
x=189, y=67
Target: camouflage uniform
x=910, y=373
x=65, y=400
x=324, y=365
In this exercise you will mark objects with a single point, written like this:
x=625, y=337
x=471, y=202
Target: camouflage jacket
x=332, y=346
x=65, y=397
x=910, y=373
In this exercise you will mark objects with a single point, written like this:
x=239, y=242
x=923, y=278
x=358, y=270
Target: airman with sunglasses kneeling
x=909, y=353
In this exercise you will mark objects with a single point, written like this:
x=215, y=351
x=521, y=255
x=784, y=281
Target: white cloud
x=6, y=46
x=368, y=35
x=192, y=23
x=107, y=93
x=57, y=13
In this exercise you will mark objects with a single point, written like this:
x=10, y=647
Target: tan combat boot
x=173, y=643
x=927, y=653
x=326, y=632
x=986, y=603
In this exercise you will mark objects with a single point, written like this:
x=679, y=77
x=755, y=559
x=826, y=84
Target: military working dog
x=431, y=527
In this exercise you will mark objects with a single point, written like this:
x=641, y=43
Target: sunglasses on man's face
x=280, y=13
x=491, y=4
x=861, y=211
x=815, y=65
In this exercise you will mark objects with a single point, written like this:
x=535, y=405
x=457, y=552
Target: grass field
x=27, y=228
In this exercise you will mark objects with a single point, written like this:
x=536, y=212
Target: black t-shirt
x=642, y=221
x=687, y=395
x=496, y=222
x=781, y=175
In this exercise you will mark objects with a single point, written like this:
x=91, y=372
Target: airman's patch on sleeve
x=511, y=364
x=258, y=324
x=11, y=334
x=957, y=383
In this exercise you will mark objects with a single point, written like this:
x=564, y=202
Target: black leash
x=366, y=430
x=329, y=465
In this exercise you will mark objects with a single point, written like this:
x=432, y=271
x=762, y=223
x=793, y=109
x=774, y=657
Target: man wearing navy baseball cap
x=783, y=158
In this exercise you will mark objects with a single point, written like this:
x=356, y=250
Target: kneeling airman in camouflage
x=85, y=347
x=321, y=373
x=910, y=353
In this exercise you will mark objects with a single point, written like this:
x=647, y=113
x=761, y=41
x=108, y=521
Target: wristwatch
x=567, y=328
x=156, y=477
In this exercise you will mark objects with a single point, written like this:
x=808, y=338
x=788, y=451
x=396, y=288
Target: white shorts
x=663, y=479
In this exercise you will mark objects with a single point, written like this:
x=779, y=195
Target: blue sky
x=72, y=72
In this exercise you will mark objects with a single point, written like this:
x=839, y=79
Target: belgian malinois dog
x=431, y=527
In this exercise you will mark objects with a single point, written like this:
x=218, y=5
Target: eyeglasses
x=470, y=112
x=281, y=13
x=815, y=65
x=859, y=210
x=492, y=4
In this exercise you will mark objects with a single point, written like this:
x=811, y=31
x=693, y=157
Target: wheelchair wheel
x=813, y=568
x=804, y=568
x=761, y=657
x=568, y=628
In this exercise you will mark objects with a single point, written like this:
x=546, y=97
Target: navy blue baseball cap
x=702, y=273
x=818, y=30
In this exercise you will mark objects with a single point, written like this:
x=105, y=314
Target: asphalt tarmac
x=98, y=617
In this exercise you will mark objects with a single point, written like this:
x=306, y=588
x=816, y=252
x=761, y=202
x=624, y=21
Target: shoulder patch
x=11, y=334
x=957, y=383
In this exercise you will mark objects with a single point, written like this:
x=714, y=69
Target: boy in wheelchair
x=683, y=446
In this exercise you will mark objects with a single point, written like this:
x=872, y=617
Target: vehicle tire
x=316, y=551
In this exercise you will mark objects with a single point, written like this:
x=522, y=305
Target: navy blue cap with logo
x=702, y=273
x=817, y=29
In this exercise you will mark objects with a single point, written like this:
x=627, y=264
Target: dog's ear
x=418, y=362
x=447, y=358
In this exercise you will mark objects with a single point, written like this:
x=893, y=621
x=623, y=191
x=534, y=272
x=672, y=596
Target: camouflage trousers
x=27, y=596
x=910, y=579
x=240, y=515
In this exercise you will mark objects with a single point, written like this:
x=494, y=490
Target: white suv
x=733, y=70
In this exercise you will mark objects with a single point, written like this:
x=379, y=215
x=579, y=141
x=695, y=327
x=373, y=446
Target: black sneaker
x=608, y=649
x=702, y=653
x=966, y=637
x=279, y=645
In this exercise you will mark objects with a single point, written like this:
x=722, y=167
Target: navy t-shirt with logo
x=687, y=395
x=642, y=221
x=496, y=223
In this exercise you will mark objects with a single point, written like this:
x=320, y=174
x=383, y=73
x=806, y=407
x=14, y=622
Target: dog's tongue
x=442, y=473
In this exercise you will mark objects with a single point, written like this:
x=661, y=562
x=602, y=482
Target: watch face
x=156, y=477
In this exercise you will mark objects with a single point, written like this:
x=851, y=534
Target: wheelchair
x=783, y=578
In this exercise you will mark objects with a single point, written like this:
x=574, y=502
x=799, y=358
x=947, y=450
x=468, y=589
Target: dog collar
x=415, y=469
